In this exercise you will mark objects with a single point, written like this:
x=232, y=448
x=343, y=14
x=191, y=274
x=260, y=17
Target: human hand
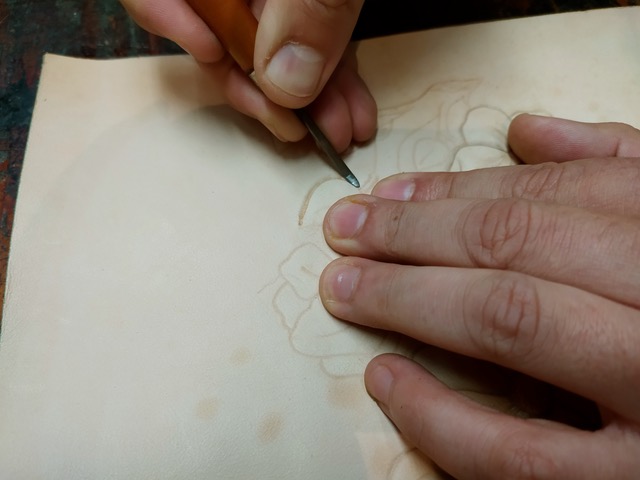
x=301, y=56
x=532, y=267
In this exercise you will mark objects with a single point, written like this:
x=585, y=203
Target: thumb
x=298, y=45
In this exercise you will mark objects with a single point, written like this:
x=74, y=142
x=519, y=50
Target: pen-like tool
x=236, y=27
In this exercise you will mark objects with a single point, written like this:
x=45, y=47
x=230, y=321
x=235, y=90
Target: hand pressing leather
x=534, y=267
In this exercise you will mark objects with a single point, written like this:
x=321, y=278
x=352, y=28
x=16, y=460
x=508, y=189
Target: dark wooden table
x=102, y=29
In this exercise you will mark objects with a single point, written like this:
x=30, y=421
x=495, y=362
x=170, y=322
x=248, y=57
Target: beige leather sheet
x=161, y=318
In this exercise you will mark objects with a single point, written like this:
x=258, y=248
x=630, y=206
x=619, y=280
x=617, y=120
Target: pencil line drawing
x=439, y=130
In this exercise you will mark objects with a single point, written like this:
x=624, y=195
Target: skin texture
x=533, y=267
x=328, y=81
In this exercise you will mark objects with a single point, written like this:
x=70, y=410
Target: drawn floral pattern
x=452, y=135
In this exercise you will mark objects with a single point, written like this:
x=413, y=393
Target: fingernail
x=379, y=383
x=296, y=69
x=346, y=219
x=395, y=189
x=341, y=281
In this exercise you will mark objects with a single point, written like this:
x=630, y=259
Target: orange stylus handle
x=234, y=25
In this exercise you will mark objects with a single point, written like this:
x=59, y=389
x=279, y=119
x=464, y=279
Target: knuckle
x=439, y=186
x=498, y=235
x=536, y=182
x=627, y=176
x=394, y=230
x=507, y=321
x=632, y=169
x=518, y=459
x=386, y=303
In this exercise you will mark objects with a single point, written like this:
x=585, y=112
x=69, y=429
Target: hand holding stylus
x=301, y=56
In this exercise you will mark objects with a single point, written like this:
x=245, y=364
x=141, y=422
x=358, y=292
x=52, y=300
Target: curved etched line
x=307, y=199
x=281, y=314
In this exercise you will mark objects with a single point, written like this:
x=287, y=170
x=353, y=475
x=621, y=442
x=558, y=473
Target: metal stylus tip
x=325, y=145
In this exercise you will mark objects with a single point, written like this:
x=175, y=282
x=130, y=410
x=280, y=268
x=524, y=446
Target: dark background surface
x=102, y=29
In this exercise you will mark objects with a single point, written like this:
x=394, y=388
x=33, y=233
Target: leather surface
x=161, y=315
